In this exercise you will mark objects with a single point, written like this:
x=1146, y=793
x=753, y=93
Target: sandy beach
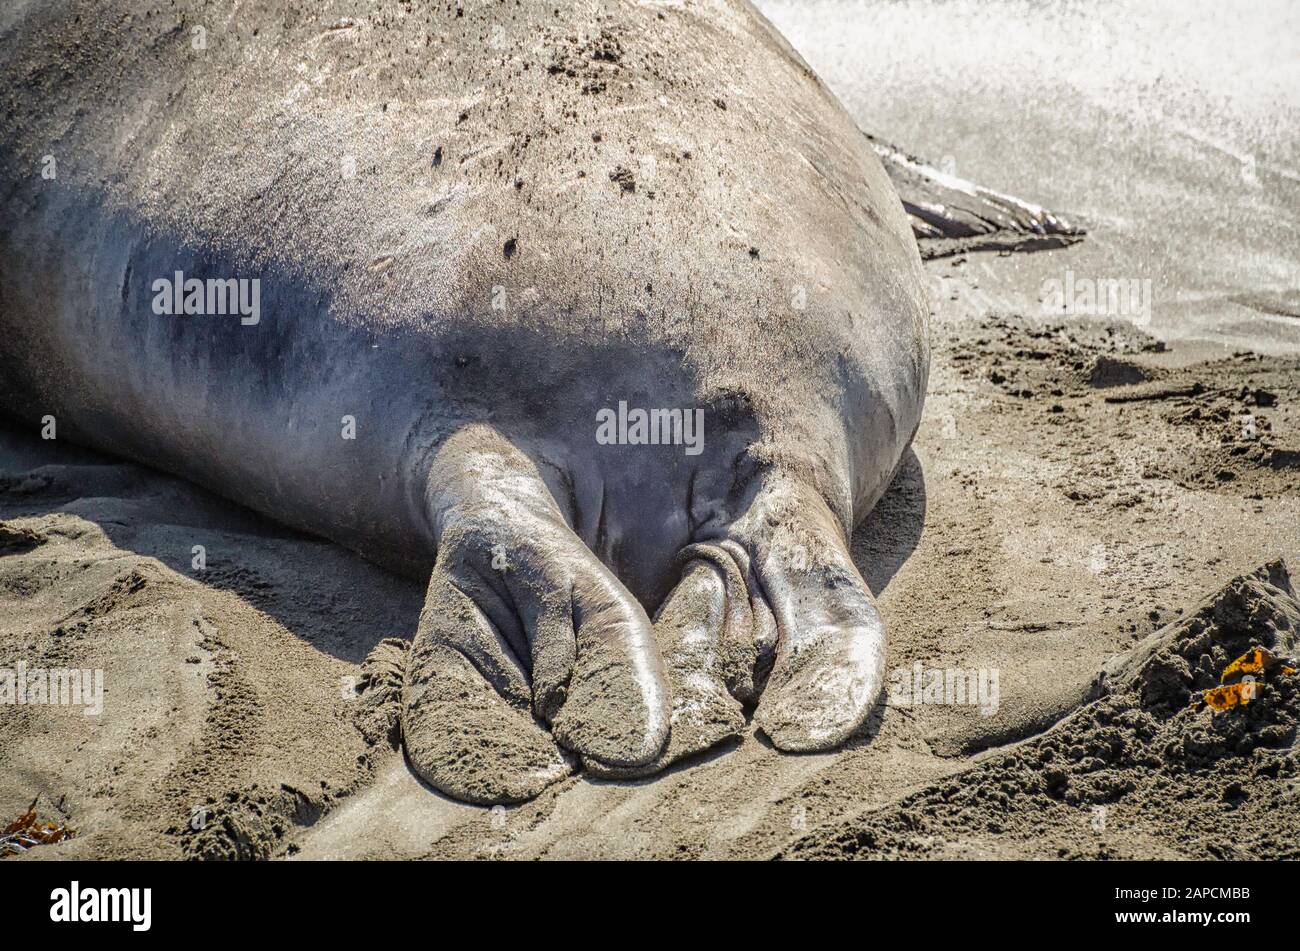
x=1096, y=517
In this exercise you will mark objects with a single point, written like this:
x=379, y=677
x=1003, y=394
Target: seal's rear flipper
x=706, y=634
x=950, y=215
x=770, y=616
x=529, y=651
x=828, y=663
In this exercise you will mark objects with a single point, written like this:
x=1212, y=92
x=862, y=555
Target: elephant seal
x=576, y=309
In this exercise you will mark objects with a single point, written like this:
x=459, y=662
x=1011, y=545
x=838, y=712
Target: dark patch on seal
x=731, y=409
x=586, y=61
x=623, y=178
x=606, y=47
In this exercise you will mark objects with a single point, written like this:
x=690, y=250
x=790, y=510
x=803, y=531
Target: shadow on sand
x=890, y=533
x=328, y=596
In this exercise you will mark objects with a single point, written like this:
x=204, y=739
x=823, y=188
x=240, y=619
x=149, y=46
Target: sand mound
x=1225, y=425
x=1148, y=771
x=1170, y=666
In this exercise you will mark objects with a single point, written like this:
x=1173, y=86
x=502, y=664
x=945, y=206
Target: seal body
x=453, y=241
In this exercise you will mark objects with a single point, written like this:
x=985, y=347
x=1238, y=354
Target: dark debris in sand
x=1223, y=424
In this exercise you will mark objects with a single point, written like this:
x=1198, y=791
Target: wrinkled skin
x=474, y=230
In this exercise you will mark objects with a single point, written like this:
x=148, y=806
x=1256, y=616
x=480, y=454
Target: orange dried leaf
x=1230, y=695
x=1257, y=660
x=25, y=832
x=25, y=821
x=1254, y=661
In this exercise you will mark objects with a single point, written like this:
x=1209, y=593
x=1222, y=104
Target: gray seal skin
x=476, y=226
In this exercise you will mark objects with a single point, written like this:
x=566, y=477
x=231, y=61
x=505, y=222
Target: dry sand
x=1076, y=491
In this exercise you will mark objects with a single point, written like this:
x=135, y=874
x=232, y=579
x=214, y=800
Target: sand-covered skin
x=1066, y=497
x=542, y=211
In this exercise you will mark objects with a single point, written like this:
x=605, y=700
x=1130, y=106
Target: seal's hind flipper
x=706, y=634
x=529, y=651
x=950, y=215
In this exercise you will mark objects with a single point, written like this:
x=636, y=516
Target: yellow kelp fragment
x=26, y=831
x=1240, y=679
x=1257, y=660
x=1229, y=695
